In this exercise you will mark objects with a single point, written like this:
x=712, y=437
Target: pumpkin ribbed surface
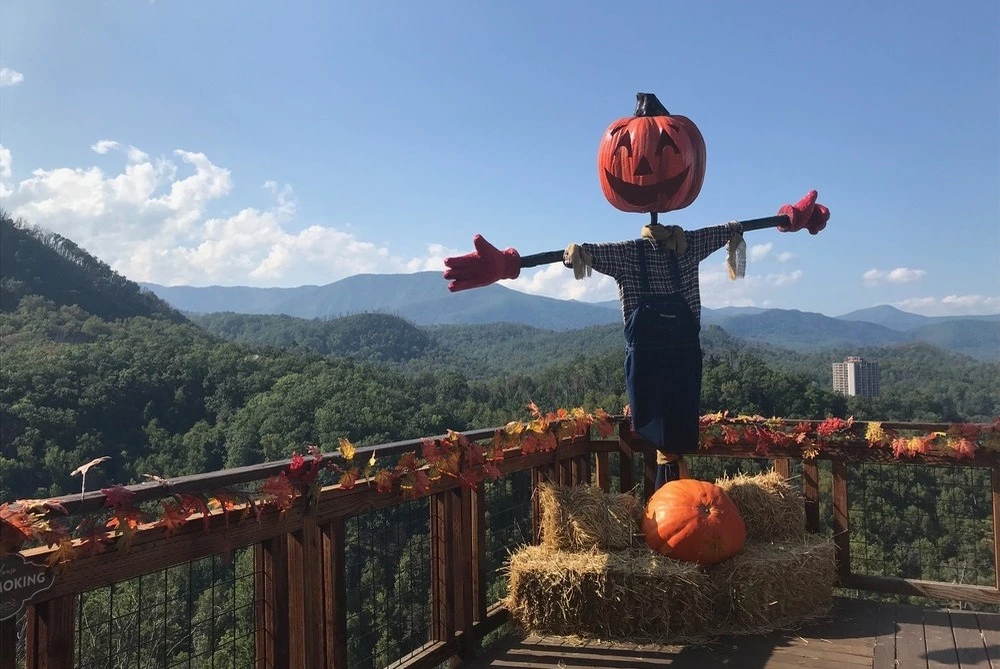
x=693, y=521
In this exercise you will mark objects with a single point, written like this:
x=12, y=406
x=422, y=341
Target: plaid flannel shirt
x=620, y=261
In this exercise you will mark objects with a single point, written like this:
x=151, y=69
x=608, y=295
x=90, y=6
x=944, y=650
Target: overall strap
x=640, y=245
x=671, y=260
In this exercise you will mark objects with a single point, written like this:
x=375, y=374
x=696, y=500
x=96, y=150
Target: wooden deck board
x=857, y=633
x=968, y=640
x=939, y=640
x=911, y=650
x=989, y=625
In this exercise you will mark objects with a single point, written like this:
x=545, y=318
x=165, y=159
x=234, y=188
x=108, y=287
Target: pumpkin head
x=693, y=521
x=653, y=161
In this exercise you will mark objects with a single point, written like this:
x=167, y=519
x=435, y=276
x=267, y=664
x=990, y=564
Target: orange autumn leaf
x=15, y=528
x=962, y=448
x=349, y=478
x=384, y=480
x=61, y=555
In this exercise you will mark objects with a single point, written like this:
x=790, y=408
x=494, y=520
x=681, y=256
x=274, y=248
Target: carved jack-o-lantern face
x=651, y=162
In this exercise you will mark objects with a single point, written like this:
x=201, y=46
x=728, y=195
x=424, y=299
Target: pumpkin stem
x=646, y=104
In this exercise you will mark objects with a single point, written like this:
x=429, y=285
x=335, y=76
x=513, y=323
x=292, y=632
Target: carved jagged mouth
x=641, y=196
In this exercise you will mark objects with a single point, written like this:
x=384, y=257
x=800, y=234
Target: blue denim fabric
x=663, y=368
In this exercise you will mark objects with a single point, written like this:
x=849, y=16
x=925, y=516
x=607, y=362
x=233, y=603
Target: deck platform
x=857, y=633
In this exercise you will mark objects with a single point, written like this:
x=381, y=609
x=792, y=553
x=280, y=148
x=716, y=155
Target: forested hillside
x=918, y=381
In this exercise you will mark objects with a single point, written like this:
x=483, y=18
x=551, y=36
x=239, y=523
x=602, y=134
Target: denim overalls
x=663, y=366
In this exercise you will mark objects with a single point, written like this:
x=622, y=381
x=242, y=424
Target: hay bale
x=772, y=509
x=776, y=585
x=632, y=595
x=584, y=517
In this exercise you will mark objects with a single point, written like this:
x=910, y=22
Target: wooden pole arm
x=549, y=257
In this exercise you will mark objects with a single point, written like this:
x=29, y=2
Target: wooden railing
x=300, y=570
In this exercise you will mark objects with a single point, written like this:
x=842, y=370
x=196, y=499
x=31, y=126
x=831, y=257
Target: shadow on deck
x=856, y=633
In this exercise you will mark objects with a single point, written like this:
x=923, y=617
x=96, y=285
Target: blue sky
x=300, y=142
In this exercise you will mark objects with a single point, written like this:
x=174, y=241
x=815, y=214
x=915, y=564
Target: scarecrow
x=652, y=162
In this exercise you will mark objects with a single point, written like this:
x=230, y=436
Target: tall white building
x=856, y=376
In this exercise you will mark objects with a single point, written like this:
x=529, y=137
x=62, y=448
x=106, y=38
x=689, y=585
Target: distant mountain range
x=424, y=299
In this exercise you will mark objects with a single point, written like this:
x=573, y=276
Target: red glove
x=481, y=267
x=805, y=213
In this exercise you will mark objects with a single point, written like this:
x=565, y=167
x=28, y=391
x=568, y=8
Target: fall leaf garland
x=34, y=522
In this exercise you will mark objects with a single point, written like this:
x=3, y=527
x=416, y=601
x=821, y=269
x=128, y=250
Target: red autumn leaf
x=280, y=488
x=429, y=450
x=384, y=480
x=407, y=462
x=117, y=497
x=730, y=434
x=196, y=504
x=349, y=478
x=297, y=463
x=174, y=517
x=421, y=483
x=93, y=541
x=491, y=470
x=604, y=428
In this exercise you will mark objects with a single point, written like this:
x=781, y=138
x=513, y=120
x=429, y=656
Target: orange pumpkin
x=653, y=161
x=693, y=521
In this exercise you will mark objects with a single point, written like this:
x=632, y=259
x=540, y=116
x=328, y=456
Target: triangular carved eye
x=625, y=139
x=666, y=140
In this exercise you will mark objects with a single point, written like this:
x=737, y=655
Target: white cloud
x=557, y=280
x=152, y=221
x=899, y=275
x=6, y=160
x=951, y=305
x=759, y=251
x=103, y=146
x=137, y=156
x=785, y=278
x=785, y=256
x=9, y=77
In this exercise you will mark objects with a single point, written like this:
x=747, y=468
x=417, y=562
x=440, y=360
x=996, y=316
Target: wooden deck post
x=995, y=484
x=841, y=521
x=479, y=557
x=783, y=467
x=810, y=491
x=8, y=643
x=50, y=633
x=463, y=573
x=603, y=472
x=337, y=572
x=442, y=563
x=626, y=465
